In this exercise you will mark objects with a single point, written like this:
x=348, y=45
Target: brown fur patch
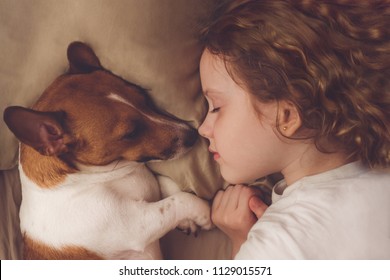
x=45, y=171
x=34, y=250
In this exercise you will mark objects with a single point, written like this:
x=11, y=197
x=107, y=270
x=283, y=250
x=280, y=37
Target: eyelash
x=215, y=110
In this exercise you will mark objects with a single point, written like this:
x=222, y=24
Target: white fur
x=114, y=211
x=116, y=97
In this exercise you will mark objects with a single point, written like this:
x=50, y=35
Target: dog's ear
x=40, y=130
x=82, y=59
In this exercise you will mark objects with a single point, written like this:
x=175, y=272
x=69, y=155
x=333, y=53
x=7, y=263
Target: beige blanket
x=152, y=43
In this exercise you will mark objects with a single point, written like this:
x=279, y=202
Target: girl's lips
x=215, y=154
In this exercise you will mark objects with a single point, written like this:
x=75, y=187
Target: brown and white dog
x=86, y=192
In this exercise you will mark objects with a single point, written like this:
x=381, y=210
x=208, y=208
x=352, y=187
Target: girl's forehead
x=215, y=78
x=213, y=68
x=215, y=61
x=210, y=61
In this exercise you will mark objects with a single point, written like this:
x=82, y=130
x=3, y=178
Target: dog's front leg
x=168, y=188
x=162, y=216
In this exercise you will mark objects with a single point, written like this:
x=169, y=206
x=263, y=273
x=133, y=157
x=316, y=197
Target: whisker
x=116, y=165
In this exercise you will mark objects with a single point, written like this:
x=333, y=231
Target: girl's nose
x=204, y=129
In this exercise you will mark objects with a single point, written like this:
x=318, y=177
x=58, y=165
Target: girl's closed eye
x=215, y=110
x=214, y=102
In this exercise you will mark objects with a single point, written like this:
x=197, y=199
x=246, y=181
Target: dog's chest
x=85, y=198
x=137, y=185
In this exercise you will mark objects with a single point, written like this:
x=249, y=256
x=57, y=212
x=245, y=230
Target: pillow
x=152, y=43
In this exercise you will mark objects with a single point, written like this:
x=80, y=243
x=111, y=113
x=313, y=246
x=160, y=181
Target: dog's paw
x=198, y=214
x=203, y=218
x=188, y=227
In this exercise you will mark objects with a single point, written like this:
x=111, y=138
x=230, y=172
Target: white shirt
x=339, y=214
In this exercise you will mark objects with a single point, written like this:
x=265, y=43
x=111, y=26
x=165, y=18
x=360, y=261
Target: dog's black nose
x=190, y=137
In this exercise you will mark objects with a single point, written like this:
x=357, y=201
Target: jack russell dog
x=86, y=192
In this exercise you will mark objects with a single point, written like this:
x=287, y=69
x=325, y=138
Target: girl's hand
x=235, y=211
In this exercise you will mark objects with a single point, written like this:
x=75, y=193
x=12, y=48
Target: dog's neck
x=107, y=173
x=116, y=165
x=45, y=171
x=50, y=171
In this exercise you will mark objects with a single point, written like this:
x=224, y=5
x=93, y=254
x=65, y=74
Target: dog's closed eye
x=133, y=133
x=129, y=135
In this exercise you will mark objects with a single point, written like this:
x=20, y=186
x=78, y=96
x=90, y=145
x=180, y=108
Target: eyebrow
x=207, y=92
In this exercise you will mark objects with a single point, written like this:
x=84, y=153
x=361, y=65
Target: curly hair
x=329, y=58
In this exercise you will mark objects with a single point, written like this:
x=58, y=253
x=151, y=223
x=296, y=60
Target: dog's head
x=94, y=117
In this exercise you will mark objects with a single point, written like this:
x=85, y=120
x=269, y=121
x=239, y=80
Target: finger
x=257, y=206
x=241, y=194
x=217, y=200
x=227, y=199
x=245, y=194
x=215, y=213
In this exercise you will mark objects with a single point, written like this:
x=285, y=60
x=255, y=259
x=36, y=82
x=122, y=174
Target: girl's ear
x=289, y=118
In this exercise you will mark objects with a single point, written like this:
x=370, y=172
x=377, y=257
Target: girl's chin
x=235, y=179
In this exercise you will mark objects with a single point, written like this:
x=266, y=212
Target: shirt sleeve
x=288, y=230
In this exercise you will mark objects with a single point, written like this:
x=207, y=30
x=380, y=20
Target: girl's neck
x=312, y=162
